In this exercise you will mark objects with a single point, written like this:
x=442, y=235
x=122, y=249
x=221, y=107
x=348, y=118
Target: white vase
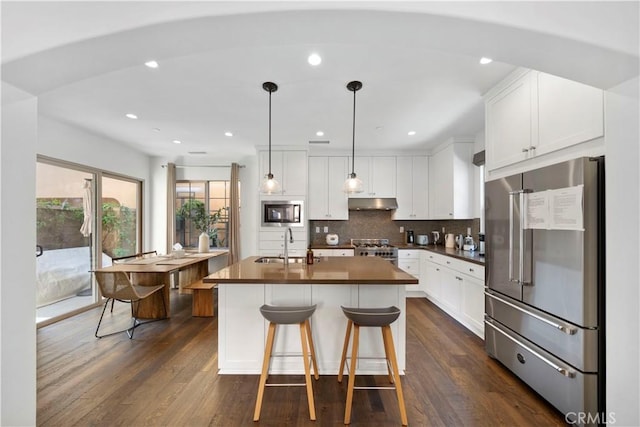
x=203, y=242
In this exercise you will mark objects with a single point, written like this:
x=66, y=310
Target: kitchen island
x=330, y=282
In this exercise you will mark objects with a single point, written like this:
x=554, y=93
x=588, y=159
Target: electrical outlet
x=317, y=229
x=326, y=229
x=402, y=229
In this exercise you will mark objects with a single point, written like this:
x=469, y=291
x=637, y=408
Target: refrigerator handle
x=566, y=329
x=521, y=253
x=511, y=200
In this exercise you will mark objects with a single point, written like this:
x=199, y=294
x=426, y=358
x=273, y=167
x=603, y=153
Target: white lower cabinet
x=457, y=287
x=332, y=252
x=271, y=243
x=409, y=262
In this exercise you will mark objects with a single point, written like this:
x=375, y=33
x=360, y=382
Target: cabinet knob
x=525, y=150
x=471, y=270
x=533, y=147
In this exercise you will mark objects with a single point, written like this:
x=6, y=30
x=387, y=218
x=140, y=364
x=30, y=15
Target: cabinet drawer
x=333, y=252
x=298, y=235
x=410, y=266
x=473, y=270
x=408, y=254
x=276, y=244
x=437, y=258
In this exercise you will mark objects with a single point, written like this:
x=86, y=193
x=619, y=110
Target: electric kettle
x=436, y=237
x=449, y=241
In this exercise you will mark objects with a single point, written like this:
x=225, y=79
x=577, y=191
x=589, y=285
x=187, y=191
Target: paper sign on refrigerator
x=559, y=209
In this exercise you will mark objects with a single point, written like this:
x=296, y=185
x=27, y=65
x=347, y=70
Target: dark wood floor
x=166, y=376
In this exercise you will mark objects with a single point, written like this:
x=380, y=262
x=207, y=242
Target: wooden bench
x=202, y=302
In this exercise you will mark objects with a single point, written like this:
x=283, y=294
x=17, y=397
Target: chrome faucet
x=286, y=246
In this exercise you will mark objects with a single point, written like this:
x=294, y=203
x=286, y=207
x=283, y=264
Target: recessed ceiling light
x=411, y=132
x=151, y=64
x=485, y=61
x=228, y=133
x=314, y=59
x=177, y=141
x=319, y=133
x=131, y=116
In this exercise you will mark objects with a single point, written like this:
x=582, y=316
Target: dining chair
x=116, y=286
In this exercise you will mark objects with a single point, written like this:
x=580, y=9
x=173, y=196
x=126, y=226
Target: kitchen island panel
x=240, y=328
x=243, y=329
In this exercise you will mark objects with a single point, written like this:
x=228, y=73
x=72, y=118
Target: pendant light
x=269, y=184
x=353, y=184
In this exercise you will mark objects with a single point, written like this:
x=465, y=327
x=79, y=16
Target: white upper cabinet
x=383, y=176
x=568, y=113
x=509, y=123
x=532, y=113
x=412, y=190
x=289, y=168
x=378, y=175
x=326, y=198
x=451, y=182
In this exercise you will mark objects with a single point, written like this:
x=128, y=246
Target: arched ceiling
x=419, y=65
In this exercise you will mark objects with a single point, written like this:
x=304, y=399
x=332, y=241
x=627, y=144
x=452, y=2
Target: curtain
x=234, y=215
x=171, y=205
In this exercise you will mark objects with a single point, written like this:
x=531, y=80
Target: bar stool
x=288, y=316
x=371, y=317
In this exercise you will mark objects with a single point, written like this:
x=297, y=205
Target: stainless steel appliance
x=375, y=247
x=278, y=213
x=544, y=301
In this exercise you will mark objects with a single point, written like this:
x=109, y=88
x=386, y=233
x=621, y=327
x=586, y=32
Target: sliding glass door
x=76, y=234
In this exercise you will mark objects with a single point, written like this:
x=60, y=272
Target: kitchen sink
x=278, y=260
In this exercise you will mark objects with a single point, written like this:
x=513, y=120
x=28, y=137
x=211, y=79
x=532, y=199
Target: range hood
x=372, y=204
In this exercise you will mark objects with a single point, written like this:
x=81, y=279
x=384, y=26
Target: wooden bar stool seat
x=288, y=316
x=371, y=317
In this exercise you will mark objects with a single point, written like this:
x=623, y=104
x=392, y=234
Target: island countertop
x=326, y=270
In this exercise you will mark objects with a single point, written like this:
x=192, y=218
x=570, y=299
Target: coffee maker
x=410, y=237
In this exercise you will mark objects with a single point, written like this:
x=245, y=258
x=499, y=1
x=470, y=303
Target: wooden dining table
x=158, y=270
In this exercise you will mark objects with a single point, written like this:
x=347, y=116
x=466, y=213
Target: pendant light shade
x=353, y=184
x=269, y=185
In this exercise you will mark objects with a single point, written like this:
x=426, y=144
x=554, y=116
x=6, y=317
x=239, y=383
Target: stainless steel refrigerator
x=544, y=300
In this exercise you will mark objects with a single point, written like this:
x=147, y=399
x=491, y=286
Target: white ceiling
x=418, y=62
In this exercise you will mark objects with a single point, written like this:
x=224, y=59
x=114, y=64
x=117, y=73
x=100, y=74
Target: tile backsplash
x=380, y=225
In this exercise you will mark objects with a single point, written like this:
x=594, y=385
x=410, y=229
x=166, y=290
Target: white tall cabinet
x=289, y=168
x=412, y=180
x=451, y=181
x=327, y=201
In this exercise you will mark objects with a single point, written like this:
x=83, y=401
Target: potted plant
x=196, y=212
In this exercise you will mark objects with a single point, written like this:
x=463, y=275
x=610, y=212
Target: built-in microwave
x=278, y=213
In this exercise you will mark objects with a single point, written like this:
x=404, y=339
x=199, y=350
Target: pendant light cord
x=269, y=134
x=353, y=141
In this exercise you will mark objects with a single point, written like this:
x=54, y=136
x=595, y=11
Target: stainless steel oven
x=376, y=247
x=280, y=213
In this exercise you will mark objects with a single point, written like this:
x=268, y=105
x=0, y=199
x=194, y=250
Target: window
x=202, y=206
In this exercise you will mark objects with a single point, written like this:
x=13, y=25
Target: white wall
x=17, y=263
x=623, y=271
